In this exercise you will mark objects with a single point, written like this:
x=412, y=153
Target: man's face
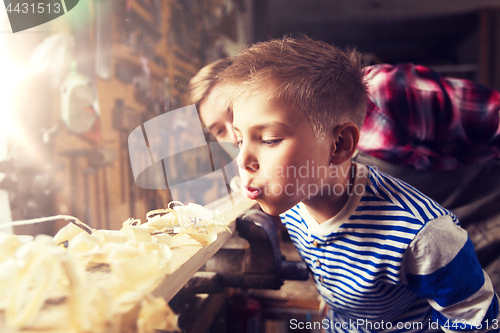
x=278, y=153
x=217, y=118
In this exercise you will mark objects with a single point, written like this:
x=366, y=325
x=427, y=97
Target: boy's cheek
x=243, y=177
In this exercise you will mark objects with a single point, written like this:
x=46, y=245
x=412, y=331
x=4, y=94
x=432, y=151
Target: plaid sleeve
x=419, y=119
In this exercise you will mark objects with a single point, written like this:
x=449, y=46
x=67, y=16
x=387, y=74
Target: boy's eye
x=271, y=142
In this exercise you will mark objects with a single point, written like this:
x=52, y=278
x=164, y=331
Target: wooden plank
x=192, y=257
x=186, y=260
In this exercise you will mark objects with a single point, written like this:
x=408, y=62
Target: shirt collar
x=333, y=224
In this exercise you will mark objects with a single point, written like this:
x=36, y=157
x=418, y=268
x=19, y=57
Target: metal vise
x=250, y=259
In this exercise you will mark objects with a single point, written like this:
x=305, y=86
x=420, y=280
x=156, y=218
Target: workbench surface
x=186, y=259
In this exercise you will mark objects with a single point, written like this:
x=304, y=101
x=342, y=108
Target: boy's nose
x=246, y=160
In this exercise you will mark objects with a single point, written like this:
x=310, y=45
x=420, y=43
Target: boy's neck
x=323, y=208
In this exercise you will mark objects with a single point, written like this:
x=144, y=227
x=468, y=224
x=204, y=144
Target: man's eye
x=272, y=142
x=239, y=142
x=220, y=132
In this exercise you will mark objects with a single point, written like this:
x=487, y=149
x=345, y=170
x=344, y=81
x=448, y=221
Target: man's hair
x=321, y=79
x=206, y=78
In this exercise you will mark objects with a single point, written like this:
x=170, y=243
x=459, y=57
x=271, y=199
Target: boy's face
x=278, y=153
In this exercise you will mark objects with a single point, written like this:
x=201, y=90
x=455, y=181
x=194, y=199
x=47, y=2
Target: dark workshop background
x=140, y=54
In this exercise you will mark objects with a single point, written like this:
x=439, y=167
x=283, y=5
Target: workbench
x=185, y=261
x=188, y=259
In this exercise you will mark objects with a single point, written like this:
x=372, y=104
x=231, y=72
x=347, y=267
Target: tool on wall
x=80, y=107
x=156, y=98
x=141, y=33
x=126, y=70
x=99, y=159
x=106, y=199
x=181, y=83
x=154, y=8
x=126, y=119
x=164, y=95
x=186, y=29
x=31, y=188
x=142, y=24
x=143, y=89
x=88, y=213
x=103, y=38
x=73, y=156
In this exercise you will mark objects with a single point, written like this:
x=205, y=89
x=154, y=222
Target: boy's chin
x=271, y=209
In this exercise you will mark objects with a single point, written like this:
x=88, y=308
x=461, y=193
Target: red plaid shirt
x=419, y=119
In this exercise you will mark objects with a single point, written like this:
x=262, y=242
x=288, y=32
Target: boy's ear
x=345, y=141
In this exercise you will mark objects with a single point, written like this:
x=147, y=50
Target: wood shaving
x=48, y=282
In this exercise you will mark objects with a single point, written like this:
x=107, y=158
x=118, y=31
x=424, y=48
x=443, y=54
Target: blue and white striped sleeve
x=441, y=266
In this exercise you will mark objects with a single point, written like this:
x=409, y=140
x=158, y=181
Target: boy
x=384, y=256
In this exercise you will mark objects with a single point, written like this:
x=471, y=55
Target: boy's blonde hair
x=321, y=79
x=201, y=84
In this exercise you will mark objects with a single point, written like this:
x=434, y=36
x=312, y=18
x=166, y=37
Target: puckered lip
x=252, y=192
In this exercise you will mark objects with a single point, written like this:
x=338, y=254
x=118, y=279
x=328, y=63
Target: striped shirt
x=393, y=260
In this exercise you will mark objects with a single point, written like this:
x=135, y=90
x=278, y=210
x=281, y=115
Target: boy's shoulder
x=385, y=191
x=376, y=196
